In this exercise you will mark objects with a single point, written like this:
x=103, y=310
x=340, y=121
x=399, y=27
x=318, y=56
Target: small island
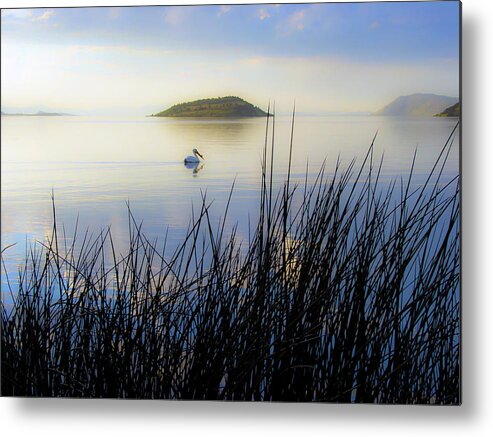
x=451, y=111
x=230, y=106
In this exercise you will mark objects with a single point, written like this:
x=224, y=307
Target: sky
x=332, y=57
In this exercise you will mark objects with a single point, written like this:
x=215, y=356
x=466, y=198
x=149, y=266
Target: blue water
x=94, y=166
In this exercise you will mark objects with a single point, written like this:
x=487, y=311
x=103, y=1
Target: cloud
x=295, y=22
x=263, y=14
x=16, y=13
x=118, y=49
x=114, y=13
x=46, y=15
x=253, y=61
x=224, y=9
x=374, y=25
x=23, y=15
x=176, y=15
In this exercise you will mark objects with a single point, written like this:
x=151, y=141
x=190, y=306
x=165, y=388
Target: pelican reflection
x=195, y=166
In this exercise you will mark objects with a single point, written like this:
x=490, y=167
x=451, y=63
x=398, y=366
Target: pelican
x=193, y=159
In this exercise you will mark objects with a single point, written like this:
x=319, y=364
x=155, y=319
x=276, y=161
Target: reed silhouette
x=347, y=290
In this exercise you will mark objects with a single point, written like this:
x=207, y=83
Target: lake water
x=95, y=165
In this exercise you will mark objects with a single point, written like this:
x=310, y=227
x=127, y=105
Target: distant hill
x=451, y=111
x=40, y=114
x=219, y=107
x=417, y=105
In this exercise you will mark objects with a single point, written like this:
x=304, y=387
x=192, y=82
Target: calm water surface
x=95, y=165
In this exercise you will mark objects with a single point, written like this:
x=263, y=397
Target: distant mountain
x=451, y=111
x=55, y=114
x=418, y=105
x=219, y=107
x=40, y=114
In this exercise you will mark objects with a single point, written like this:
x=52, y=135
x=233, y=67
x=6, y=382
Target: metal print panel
x=232, y=202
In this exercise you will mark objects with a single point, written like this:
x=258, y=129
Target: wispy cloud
x=16, y=13
x=119, y=49
x=295, y=22
x=263, y=14
x=224, y=9
x=46, y=15
x=176, y=15
x=374, y=25
x=25, y=15
x=114, y=13
x=253, y=62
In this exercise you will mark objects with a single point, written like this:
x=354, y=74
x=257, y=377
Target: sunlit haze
x=139, y=60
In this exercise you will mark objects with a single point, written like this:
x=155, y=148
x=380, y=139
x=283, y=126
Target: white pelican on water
x=193, y=159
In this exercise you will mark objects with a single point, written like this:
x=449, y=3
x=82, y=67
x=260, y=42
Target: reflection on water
x=96, y=165
x=195, y=166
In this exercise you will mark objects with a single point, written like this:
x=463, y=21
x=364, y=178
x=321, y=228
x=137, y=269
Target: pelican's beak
x=198, y=153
